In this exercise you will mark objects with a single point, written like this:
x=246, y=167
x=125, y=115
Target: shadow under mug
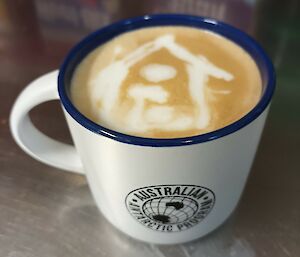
x=161, y=191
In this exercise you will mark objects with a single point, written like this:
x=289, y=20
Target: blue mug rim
x=106, y=33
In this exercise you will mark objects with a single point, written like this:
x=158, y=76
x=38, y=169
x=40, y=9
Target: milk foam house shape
x=106, y=86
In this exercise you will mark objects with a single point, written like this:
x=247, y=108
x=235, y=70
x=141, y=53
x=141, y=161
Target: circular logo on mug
x=170, y=208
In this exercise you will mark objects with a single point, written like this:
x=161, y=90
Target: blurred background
x=46, y=212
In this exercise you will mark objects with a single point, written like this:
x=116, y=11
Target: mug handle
x=29, y=138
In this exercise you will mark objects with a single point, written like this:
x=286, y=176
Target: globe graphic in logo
x=170, y=210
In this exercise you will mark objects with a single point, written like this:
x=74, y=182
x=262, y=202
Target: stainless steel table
x=47, y=212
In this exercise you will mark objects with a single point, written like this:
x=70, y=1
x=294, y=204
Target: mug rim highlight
x=81, y=49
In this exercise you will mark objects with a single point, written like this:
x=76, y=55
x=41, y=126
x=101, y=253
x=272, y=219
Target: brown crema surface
x=227, y=100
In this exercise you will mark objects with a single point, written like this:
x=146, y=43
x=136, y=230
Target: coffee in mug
x=166, y=113
x=166, y=82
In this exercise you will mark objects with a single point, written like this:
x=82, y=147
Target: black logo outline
x=168, y=224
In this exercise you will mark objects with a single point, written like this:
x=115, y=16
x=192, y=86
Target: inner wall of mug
x=81, y=50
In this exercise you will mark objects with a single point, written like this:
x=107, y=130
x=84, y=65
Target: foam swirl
x=106, y=86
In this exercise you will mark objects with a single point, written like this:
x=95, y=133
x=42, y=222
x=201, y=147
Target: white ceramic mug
x=162, y=191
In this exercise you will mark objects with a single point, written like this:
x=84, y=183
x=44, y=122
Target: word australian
x=194, y=192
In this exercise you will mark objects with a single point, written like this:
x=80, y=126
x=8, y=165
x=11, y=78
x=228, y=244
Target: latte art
x=149, y=83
